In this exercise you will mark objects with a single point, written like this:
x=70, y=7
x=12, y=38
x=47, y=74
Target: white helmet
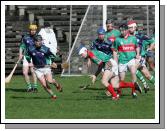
x=82, y=50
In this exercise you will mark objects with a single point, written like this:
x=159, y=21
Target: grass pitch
x=75, y=103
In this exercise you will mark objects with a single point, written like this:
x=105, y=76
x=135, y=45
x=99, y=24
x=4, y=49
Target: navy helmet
x=101, y=31
x=123, y=25
x=109, y=21
x=38, y=38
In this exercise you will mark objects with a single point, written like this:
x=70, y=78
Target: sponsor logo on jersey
x=126, y=48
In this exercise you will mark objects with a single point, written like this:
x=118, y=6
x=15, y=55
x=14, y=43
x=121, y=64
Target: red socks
x=123, y=84
x=111, y=90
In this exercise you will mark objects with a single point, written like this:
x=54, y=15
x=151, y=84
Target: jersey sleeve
x=52, y=56
x=149, y=40
x=135, y=42
x=118, y=33
x=28, y=54
x=93, y=46
x=116, y=44
x=22, y=44
x=94, y=58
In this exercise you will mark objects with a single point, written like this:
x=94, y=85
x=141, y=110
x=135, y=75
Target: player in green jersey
x=128, y=50
x=110, y=69
x=111, y=33
x=132, y=25
x=144, y=43
x=150, y=54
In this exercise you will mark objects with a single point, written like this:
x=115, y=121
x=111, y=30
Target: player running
x=144, y=42
x=102, y=45
x=40, y=55
x=28, y=40
x=150, y=54
x=128, y=50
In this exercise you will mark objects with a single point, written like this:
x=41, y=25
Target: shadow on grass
x=16, y=90
x=103, y=96
x=89, y=87
x=87, y=90
x=22, y=97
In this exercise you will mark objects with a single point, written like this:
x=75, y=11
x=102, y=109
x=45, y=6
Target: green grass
x=74, y=103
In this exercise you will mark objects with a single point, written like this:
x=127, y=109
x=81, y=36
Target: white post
x=104, y=16
x=69, y=68
x=148, y=33
x=76, y=37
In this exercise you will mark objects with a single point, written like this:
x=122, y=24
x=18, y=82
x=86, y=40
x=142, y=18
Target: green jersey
x=145, y=45
x=112, y=35
x=126, y=48
x=101, y=55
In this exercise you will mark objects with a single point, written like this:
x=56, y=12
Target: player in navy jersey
x=28, y=40
x=41, y=56
x=102, y=45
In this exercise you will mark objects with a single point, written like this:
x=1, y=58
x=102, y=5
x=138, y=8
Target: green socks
x=29, y=85
x=34, y=85
x=152, y=80
x=141, y=78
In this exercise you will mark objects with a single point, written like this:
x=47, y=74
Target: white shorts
x=25, y=62
x=42, y=71
x=114, y=67
x=141, y=62
x=124, y=67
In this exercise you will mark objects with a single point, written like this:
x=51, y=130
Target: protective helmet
x=38, y=38
x=82, y=50
x=101, y=31
x=123, y=26
x=33, y=27
x=109, y=21
x=132, y=23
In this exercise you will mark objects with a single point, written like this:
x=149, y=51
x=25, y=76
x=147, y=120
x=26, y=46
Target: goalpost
x=94, y=17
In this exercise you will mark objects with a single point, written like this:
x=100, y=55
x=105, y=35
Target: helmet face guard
x=38, y=38
x=38, y=41
x=82, y=50
x=123, y=27
x=109, y=21
x=132, y=24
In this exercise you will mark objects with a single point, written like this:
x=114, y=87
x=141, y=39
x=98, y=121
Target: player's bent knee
x=104, y=82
